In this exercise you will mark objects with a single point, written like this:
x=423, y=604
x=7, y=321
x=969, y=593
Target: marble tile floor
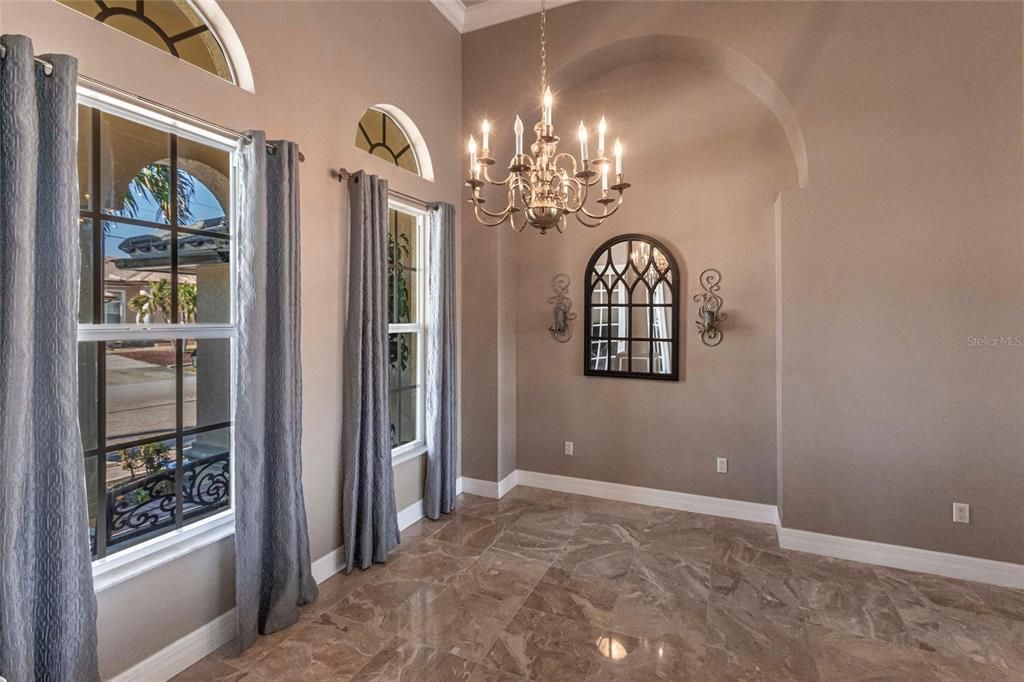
x=550, y=586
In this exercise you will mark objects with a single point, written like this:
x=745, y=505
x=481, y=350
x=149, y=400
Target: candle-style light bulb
x=485, y=127
x=548, y=103
x=602, y=128
x=618, y=158
x=518, y=127
x=604, y=178
x=581, y=134
x=476, y=170
x=472, y=154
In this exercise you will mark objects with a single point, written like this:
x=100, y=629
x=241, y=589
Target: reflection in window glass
x=206, y=173
x=135, y=170
x=402, y=270
x=154, y=411
x=140, y=390
x=405, y=340
x=140, y=491
x=206, y=383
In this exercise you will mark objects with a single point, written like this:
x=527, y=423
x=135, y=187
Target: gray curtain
x=47, y=604
x=369, y=520
x=442, y=427
x=272, y=566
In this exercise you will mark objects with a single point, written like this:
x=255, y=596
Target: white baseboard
x=715, y=506
x=907, y=558
x=475, y=486
x=480, y=488
x=327, y=565
x=179, y=655
x=410, y=515
x=190, y=649
x=506, y=484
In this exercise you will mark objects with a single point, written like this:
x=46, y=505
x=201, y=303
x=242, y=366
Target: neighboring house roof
x=149, y=256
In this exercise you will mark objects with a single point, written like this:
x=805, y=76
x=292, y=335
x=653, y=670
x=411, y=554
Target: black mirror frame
x=588, y=291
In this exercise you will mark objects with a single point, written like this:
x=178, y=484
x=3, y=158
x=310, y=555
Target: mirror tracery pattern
x=632, y=310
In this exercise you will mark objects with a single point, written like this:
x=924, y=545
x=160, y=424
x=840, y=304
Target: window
x=406, y=331
x=632, y=320
x=156, y=325
x=174, y=26
x=381, y=136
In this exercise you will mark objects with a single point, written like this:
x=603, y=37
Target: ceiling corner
x=452, y=10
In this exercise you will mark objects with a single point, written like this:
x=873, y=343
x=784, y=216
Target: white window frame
x=144, y=556
x=417, y=447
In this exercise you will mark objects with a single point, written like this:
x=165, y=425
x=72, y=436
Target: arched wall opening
x=710, y=143
x=698, y=53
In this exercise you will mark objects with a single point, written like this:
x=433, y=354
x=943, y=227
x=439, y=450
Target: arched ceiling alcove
x=695, y=51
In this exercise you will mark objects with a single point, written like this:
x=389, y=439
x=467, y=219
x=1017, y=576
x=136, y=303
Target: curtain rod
x=343, y=174
x=48, y=70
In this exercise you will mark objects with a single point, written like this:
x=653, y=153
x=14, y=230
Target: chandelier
x=545, y=187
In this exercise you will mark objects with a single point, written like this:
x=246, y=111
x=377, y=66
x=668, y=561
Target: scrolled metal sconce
x=560, y=330
x=710, y=311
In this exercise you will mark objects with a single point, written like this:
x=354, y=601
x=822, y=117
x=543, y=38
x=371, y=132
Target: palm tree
x=160, y=292
x=158, y=299
x=141, y=305
x=154, y=181
x=187, y=300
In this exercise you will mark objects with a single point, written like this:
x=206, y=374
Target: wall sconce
x=710, y=311
x=560, y=330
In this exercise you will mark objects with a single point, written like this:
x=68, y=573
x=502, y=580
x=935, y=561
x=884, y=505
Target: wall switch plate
x=568, y=447
x=961, y=512
x=723, y=465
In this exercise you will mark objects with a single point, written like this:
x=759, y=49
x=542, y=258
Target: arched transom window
x=174, y=26
x=380, y=135
x=632, y=320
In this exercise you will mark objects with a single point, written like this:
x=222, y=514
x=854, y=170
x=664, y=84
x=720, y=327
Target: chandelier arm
x=585, y=223
x=487, y=177
x=606, y=213
x=500, y=214
x=512, y=222
x=476, y=212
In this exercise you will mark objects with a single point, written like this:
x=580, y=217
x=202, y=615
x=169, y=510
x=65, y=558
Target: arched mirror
x=632, y=310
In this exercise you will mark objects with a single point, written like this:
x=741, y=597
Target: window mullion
x=179, y=442
x=101, y=447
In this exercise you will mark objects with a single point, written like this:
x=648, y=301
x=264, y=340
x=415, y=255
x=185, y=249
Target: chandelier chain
x=543, y=46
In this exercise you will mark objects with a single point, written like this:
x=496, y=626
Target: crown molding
x=452, y=10
x=488, y=13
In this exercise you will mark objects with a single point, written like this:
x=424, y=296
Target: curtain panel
x=442, y=409
x=369, y=520
x=272, y=563
x=47, y=604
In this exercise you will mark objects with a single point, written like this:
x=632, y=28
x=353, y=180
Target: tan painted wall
x=707, y=161
x=906, y=242
x=317, y=66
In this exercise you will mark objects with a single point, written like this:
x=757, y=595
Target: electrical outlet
x=961, y=512
x=568, y=447
x=723, y=465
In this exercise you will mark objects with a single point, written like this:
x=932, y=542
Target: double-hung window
x=156, y=325
x=406, y=329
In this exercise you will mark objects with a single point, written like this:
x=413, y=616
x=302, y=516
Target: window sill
x=408, y=452
x=135, y=561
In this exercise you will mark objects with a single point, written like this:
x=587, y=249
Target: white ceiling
x=470, y=15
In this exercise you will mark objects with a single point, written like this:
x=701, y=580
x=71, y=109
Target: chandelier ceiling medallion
x=547, y=186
